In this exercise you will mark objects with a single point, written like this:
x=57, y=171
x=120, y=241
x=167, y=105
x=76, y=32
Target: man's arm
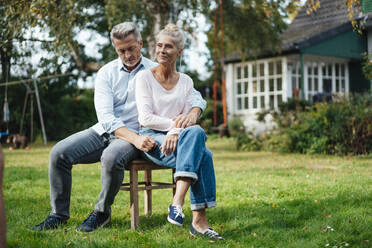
x=198, y=106
x=143, y=143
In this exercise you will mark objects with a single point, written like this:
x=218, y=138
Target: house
x=320, y=54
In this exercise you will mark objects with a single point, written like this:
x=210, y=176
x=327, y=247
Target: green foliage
x=236, y=127
x=342, y=128
x=206, y=121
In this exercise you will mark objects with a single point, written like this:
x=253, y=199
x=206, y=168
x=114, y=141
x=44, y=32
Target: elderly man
x=113, y=140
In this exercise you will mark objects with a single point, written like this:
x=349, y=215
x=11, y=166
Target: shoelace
x=177, y=210
x=51, y=220
x=92, y=218
x=211, y=233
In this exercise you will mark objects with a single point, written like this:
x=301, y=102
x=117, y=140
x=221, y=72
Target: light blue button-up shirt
x=114, y=96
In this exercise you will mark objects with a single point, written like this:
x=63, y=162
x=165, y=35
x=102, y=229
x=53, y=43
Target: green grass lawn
x=264, y=200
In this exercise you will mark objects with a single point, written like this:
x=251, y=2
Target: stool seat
x=148, y=185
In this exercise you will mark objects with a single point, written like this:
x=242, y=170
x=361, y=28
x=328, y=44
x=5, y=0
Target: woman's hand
x=169, y=145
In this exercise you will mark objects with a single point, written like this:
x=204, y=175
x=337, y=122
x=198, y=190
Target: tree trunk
x=5, y=61
x=160, y=11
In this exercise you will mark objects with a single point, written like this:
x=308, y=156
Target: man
x=113, y=140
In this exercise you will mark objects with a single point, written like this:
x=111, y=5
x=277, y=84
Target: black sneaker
x=207, y=233
x=94, y=221
x=51, y=222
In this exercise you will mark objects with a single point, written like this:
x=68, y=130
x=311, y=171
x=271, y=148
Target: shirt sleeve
x=198, y=101
x=145, y=106
x=104, y=103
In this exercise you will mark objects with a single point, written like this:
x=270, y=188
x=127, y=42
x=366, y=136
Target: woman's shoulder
x=186, y=78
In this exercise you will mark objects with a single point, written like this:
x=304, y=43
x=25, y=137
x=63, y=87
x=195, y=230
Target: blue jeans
x=88, y=147
x=192, y=160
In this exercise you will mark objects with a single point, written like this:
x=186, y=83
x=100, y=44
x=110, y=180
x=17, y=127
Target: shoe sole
x=103, y=224
x=173, y=222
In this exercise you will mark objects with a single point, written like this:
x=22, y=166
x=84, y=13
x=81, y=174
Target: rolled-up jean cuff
x=199, y=206
x=188, y=174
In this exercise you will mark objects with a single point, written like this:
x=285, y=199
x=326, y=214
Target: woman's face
x=166, y=50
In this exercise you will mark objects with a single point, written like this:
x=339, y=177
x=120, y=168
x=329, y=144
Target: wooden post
x=148, y=193
x=134, y=213
x=40, y=113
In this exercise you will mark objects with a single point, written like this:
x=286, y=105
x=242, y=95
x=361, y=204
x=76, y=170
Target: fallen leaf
x=254, y=235
x=69, y=243
x=85, y=237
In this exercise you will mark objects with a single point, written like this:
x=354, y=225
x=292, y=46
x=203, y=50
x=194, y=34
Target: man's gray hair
x=123, y=30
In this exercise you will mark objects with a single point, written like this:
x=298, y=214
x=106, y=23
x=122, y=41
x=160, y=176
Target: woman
x=162, y=94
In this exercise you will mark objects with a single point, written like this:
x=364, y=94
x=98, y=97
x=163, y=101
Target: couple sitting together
x=133, y=94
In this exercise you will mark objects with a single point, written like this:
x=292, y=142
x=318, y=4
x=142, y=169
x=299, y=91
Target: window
x=259, y=84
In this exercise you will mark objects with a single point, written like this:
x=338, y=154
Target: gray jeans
x=87, y=147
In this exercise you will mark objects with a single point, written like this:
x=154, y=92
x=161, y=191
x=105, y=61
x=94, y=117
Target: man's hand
x=145, y=143
x=184, y=121
x=170, y=144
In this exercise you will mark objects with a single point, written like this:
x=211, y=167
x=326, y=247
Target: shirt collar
x=122, y=67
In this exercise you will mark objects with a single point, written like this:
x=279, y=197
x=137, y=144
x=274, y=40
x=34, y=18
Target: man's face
x=129, y=51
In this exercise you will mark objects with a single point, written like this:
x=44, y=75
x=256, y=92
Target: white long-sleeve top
x=157, y=106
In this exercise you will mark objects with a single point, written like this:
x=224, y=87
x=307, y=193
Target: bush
x=343, y=127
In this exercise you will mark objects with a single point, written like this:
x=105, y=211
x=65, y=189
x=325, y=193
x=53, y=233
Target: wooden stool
x=149, y=185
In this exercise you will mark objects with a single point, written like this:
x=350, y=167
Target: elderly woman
x=162, y=95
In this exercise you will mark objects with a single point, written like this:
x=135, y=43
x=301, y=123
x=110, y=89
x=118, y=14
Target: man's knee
x=59, y=155
x=111, y=161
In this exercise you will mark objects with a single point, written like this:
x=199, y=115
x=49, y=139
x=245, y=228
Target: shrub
x=343, y=127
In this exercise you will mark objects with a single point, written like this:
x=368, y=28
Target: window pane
x=271, y=84
x=271, y=101
x=271, y=68
x=246, y=104
x=239, y=72
x=239, y=88
x=246, y=87
x=337, y=85
x=309, y=70
x=337, y=70
x=280, y=99
x=239, y=103
x=254, y=84
x=246, y=71
x=262, y=85
x=343, y=85
x=329, y=70
x=255, y=102
x=254, y=70
x=316, y=70
x=279, y=67
x=342, y=70
x=310, y=84
x=294, y=69
x=324, y=71
x=262, y=102
x=262, y=69
x=316, y=87
x=279, y=81
x=294, y=82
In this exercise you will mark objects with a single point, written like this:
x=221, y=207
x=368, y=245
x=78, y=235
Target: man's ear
x=180, y=52
x=140, y=44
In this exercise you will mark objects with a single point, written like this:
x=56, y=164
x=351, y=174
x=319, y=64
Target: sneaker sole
x=173, y=222
x=103, y=224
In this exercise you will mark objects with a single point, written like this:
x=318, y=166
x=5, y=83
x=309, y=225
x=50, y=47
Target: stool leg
x=134, y=213
x=148, y=193
x=174, y=182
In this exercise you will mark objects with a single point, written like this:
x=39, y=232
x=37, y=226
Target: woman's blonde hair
x=175, y=33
